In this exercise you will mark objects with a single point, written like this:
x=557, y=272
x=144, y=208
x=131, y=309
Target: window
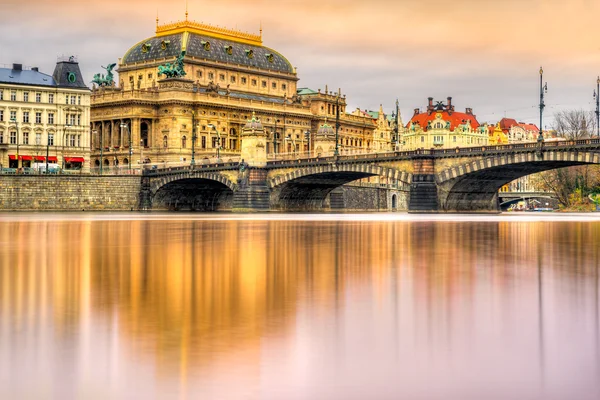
x=203, y=142
x=131, y=79
x=222, y=77
x=183, y=142
x=1, y=137
x=38, y=97
x=78, y=119
x=72, y=119
x=233, y=79
x=13, y=95
x=198, y=74
x=264, y=84
x=253, y=82
x=211, y=76
x=149, y=76
x=51, y=118
x=73, y=100
x=283, y=86
x=51, y=98
x=50, y=139
x=78, y=140
x=13, y=137
x=243, y=82
x=72, y=140
x=1, y=115
x=165, y=142
x=38, y=117
x=13, y=115
x=422, y=139
x=79, y=100
x=25, y=97
x=67, y=99
x=273, y=85
x=26, y=117
x=25, y=137
x=1, y=94
x=38, y=138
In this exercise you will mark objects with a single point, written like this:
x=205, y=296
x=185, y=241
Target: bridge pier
x=253, y=193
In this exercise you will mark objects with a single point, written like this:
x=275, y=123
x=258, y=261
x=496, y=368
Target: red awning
x=74, y=159
x=39, y=158
x=53, y=159
x=12, y=157
x=26, y=158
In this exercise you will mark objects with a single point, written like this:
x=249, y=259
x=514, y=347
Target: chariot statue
x=102, y=81
x=174, y=70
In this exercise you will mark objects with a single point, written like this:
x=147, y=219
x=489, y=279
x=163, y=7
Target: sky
x=485, y=54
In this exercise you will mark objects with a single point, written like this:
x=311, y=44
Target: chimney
x=469, y=111
x=36, y=69
x=449, y=102
x=417, y=111
x=430, y=102
x=17, y=67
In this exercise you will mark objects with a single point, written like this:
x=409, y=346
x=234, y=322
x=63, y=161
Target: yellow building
x=44, y=116
x=228, y=76
x=440, y=126
x=497, y=136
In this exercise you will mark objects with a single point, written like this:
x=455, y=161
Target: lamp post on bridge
x=218, y=141
x=396, y=127
x=125, y=126
x=194, y=137
x=543, y=90
x=337, y=125
x=597, y=97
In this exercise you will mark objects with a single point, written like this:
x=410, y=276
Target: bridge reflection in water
x=298, y=309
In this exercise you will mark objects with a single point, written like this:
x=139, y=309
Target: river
x=274, y=306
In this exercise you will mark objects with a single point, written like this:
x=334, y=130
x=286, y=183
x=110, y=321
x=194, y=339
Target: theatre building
x=150, y=117
x=44, y=118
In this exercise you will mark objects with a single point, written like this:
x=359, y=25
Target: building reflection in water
x=298, y=309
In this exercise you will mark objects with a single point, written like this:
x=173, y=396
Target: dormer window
x=228, y=49
x=165, y=44
x=146, y=47
x=270, y=57
x=205, y=45
x=250, y=53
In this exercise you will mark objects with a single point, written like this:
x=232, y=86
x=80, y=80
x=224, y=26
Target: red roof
x=456, y=118
x=529, y=127
x=507, y=123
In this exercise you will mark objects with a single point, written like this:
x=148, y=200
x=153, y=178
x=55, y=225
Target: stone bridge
x=444, y=180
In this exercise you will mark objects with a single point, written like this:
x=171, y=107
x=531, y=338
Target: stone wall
x=357, y=198
x=69, y=193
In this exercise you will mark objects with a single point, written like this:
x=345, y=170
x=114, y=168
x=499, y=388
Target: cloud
x=484, y=53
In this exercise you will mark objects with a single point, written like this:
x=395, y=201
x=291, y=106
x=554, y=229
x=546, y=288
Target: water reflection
x=299, y=309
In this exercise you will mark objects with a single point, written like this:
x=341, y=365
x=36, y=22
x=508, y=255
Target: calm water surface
x=376, y=306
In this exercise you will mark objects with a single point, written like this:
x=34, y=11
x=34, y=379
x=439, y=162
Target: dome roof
x=253, y=125
x=325, y=130
x=207, y=43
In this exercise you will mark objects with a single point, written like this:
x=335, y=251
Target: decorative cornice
x=209, y=30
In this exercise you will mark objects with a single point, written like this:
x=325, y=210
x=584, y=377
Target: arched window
x=165, y=142
x=183, y=142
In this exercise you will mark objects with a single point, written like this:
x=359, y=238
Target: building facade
x=441, y=126
x=149, y=118
x=44, y=118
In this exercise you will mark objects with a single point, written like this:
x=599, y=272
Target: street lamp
x=291, y=139
x=337, y=125
x=125, y=126
x=396, y=127
x=597, y=97
x=14, y=120
x=543, y=89
x=307, y=136
x=194, y=137
x=218, y=141
x=274, y=132
x=63, y=144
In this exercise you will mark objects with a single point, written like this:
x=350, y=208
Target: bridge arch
x=308, y=187
x=192, y=191
x=474, y=186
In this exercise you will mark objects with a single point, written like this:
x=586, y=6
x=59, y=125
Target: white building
x=43, y=115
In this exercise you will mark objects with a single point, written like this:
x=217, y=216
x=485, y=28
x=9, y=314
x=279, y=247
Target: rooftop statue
x=101, y=81
x=174, y=70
